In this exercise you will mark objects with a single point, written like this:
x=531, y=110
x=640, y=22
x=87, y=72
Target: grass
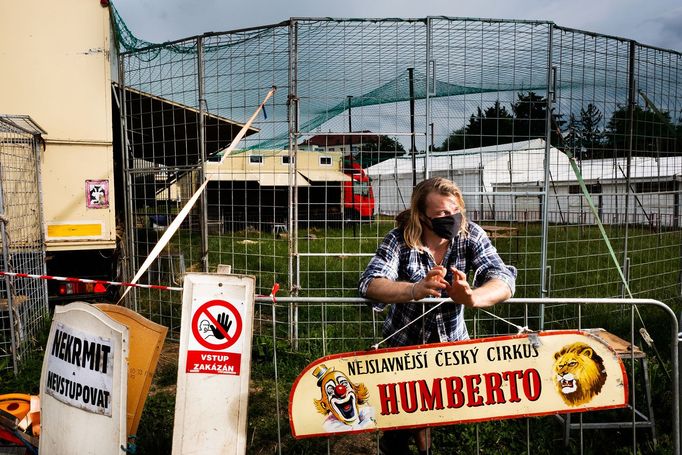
x=579, y=266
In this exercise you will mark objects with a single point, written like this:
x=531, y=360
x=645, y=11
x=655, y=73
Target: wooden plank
x=623, y=348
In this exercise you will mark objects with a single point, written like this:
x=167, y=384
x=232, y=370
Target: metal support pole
x=632, y=100
x=430, y=91
x=350, y=118
x=8, y=282
x=126, y=163
x=352, y=174
x=202, y=153
x=41, y=214
x=413, y=146
x=292, y=239
x=551, y=94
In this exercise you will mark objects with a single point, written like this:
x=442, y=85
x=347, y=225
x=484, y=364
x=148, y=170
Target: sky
x=653, y=22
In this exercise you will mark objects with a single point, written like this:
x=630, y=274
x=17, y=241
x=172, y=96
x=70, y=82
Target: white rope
x=376, y=346
x=521, y=329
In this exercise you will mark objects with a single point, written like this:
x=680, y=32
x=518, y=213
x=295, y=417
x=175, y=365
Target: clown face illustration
x=340, y=400
x=340, y=395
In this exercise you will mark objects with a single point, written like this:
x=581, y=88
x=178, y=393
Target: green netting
x=362, y=66
x=125, y=39
x=326, y=98
x=394, y=91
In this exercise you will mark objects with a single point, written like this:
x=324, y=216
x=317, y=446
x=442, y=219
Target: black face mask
x=447, y=227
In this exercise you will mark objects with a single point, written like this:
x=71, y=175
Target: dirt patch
x=358, y=444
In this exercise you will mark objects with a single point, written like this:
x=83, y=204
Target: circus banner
x=446, y=383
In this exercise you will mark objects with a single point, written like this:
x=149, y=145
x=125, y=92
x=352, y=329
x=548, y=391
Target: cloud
x=655, y=22
x=671, y=29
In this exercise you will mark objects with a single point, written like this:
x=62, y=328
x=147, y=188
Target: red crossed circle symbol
x=233, y=314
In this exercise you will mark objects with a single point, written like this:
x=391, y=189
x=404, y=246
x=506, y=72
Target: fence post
x=677, y=375
x=202, y=153
x=292, y=238
x=8, y=283
x=631, y=132
x=551, y=94
x=430, y=90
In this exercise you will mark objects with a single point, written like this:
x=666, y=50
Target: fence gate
x=23, y=303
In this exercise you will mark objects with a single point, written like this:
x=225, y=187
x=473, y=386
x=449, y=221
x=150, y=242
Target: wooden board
x=146, y=342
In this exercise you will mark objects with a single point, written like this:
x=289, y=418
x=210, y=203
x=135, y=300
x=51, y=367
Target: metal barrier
x=281, y=319
x=363, y=107
x=23, y=303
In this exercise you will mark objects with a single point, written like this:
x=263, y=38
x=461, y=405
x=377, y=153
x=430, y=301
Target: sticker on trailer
x=215, y=345
x=97, y=194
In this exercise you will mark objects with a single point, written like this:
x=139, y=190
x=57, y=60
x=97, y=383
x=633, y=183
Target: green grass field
x=580, y=266
x=578, y=257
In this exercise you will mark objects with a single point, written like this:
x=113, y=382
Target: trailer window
x=360, y=188
x=286, y=159
x=255, y=159
x=325, y=161
x=656, y=186
x=592, y=189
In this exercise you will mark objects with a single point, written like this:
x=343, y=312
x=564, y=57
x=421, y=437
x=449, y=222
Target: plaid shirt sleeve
x=486, y=263
x=384, y=264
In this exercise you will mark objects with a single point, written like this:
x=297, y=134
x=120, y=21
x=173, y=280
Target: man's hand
x=432, y=284
x=459, y=290
x=490, y=293
x=225, y=323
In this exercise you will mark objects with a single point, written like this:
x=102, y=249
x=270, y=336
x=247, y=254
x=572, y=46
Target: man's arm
x=389, y=291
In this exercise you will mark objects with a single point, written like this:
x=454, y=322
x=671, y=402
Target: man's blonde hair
x=411, y=219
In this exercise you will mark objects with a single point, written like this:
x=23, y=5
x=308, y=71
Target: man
x=429, y=255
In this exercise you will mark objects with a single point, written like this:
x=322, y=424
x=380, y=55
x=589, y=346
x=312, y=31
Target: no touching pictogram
x=216, y=325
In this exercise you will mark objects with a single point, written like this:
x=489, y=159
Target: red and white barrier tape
x=85, y=280
x=273, y=292
x=180, y=217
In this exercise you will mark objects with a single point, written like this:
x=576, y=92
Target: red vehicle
x=358, y=198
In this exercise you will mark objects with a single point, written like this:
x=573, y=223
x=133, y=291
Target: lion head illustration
x=579, y=372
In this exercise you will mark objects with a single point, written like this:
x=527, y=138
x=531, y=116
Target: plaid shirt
x=396, y=261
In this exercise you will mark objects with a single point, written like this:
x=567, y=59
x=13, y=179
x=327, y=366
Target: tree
x=530, y=112
x=383, y=149
x=529, y=116
x=492, y=126
x=573, y=139
x=455, y=141
x=584, y=137
x=495, y=125
x=652, y=134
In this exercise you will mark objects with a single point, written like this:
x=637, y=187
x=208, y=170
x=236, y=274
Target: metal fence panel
x=363, y=109
x=23, y=303
x=655, y=415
